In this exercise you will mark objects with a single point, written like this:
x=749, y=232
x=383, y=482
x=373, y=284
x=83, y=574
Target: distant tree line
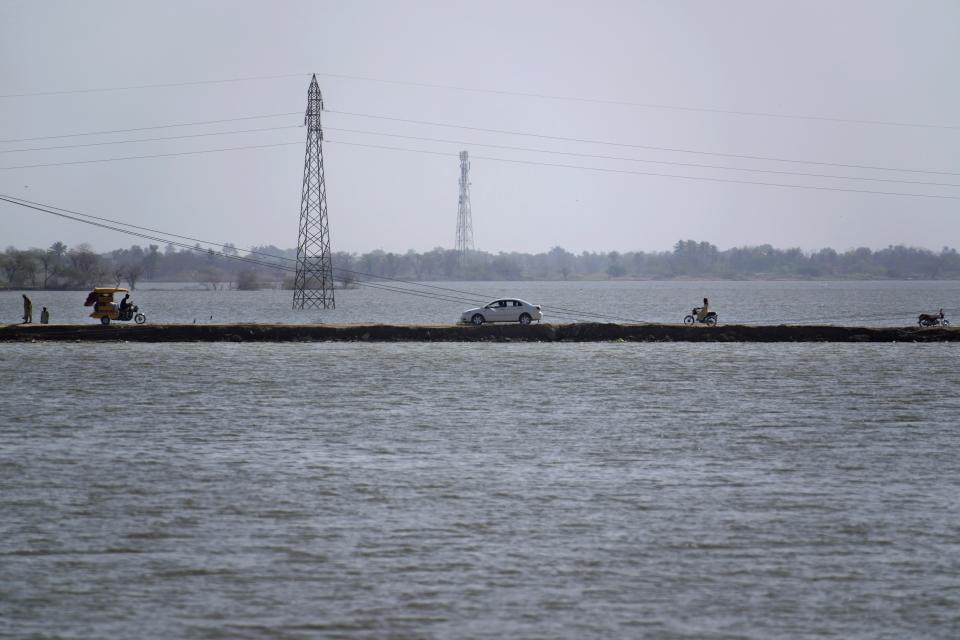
x=79, y=267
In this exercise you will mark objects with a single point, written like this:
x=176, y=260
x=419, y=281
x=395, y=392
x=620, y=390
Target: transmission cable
x=158, y=126
x=499, y=92
x=494, y=159
x=492, y=146
x=152, y=155
x=244, y=259
x=625, y=159
x=629, y=145
x=653, y=174
x=559, y=311
x=180, y=137
x=501, y=131
x=159, y=85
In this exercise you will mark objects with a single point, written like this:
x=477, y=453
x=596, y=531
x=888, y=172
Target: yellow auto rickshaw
x=101, y=299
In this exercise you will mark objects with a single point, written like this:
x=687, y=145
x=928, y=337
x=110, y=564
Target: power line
x=130, y=225
x=647, y=105
x=279, y=267
x=623, y=159
x=101, y=222
x=499, y=92
x=492, y=146
x=189, y=135
x=634, y=146
x=653, y=174
x=164, y=236
x=54, y=211
x=485, y=130
x=159, y=126
x=159, y=85
x=155, y=155
x=420, y=294
x=493, y=159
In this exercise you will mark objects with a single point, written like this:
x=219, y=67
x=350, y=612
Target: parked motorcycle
x=710, y=319
x=933, y=320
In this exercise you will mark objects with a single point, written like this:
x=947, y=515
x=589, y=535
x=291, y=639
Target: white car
x=504, y=310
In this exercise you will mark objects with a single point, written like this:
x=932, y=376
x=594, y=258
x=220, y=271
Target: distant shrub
x=616, y=270
x=248, y=280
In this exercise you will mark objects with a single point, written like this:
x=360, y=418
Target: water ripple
x=479, y=490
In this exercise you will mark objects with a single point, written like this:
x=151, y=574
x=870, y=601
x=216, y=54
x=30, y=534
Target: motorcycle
x=710, y=319
x=104, y=308
x=132, y=313
x=933, y=320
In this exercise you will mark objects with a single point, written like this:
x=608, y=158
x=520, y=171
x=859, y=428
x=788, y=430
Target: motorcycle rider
x=704, y=310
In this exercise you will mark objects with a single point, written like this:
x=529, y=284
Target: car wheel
x=525, y=318
x=104, y=320
x=477, y=319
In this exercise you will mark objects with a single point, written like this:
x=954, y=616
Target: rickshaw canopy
x=102, y=295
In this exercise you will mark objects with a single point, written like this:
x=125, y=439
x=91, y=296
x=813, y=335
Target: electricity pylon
x=313, y=285
x=464, y=216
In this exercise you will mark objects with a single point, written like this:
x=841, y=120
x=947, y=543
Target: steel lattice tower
x=464, y=216
x=313, y=286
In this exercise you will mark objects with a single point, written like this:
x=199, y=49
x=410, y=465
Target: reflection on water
x=890, y=303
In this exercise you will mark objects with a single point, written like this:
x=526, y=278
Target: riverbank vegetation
x=80, y=266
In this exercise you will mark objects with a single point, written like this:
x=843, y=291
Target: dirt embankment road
x=579, y=332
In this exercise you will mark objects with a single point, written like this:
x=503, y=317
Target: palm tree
x=58, y=249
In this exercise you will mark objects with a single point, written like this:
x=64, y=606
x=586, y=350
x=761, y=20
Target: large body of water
x=888, y=303
x=453, y=490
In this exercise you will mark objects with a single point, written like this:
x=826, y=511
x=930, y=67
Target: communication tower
x=464, y=216
x=313, y=285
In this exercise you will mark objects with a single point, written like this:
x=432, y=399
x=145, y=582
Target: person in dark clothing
x=27, y=310
x=704, y=310
x=125, y=304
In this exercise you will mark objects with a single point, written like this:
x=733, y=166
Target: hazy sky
x=848, y=60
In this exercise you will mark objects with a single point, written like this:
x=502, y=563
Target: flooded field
x=881, y=303
x=479, y=490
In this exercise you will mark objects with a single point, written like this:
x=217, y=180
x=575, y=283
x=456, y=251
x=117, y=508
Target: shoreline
x=577, y=332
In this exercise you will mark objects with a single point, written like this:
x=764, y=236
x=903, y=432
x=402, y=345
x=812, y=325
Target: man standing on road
x=27, y=310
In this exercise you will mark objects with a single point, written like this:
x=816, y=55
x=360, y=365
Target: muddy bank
x=580, y=332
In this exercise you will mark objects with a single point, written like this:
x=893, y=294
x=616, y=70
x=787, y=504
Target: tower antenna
x=313, y=285
x=464, y=217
